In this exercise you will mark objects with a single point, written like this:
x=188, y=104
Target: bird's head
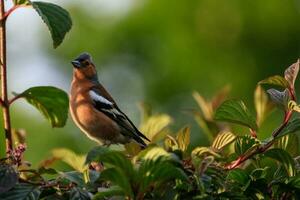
x=84, y=67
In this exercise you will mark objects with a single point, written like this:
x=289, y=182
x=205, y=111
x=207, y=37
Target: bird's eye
x=86, y=63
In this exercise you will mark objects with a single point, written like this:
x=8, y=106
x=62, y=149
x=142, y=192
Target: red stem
x=4, y=96
x=11, y=10
x=262, y=149
x=253, y=133
x=4, y=102
x=292, y=93
x=265, y=147
x=14, y=99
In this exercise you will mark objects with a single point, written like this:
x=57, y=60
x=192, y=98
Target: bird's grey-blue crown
x=79, y=61
x=83, y=56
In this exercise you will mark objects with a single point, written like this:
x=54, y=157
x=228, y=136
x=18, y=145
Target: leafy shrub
x=234, y=166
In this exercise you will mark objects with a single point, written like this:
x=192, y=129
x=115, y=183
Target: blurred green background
x=152, y=51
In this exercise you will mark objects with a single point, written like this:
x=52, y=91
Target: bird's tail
x=141, y=143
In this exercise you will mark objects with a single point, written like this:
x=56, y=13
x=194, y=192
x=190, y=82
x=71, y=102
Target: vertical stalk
x=4, y=97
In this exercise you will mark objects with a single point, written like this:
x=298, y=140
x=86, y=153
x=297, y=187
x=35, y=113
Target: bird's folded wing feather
x=110, y=109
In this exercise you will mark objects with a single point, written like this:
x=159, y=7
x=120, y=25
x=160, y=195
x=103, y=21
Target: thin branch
x=263, y=148
x=11, y=10
x=6, y=14
x=14, y=99
x=292, y=93
x=22, y=180
x=1, y=102
x=4, y=96
x=35, y=173
x=260, y=149
x=253, y=133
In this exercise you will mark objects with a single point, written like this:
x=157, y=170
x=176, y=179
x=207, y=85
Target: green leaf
x=160, y=173
x=222, y=140
x=78, y=177
x=292, y=127
x=158, y=167
x=235, y=111
x=22, y=191
x=96, y=153
x=289, y=143
x=90, y=176
x=238, y=176
x=213, y=177
x=8, y=177
x=21, y=2
x=206, y=107
x=56, y=18
x=170, y=143
x=259, y=173
x=280, y=173
x=74, y=177
x=79, y=194
x=277, y=81
x=42, y=170
x=132, y=148
x=114, y=158
x=284, y=158
x=291, y=73
x=69, y=157
x=104, y=193
x=245, y=144
x=183, y=138
x=204, y=151
x=292, y=105
x=294, y=182
x=119, y=178
x=155, y=126
x=262, y=104
x=154, y=153
x=52, y=102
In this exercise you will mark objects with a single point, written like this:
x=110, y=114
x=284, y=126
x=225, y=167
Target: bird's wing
x=111, y=110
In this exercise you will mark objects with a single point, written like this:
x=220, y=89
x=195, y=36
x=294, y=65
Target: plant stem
x=253, y=133
x=14, y=99
x=11, y=10
x=4, y=97
x=263, y=148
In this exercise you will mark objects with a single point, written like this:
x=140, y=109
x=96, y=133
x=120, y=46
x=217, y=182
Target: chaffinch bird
x=95, y=112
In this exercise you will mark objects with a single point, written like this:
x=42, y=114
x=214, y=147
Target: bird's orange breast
x=95, y=124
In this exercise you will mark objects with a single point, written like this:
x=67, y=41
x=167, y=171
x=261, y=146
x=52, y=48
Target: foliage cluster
x=234, y=166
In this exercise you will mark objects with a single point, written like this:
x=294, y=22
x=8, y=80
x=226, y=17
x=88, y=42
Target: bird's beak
x=76, y=63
